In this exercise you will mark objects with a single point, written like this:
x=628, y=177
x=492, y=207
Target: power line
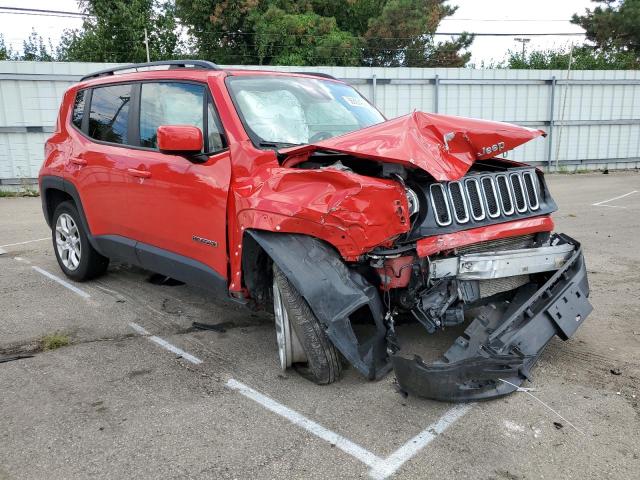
x=43, y=12
x=80, y=14
x=503, y=20
x=502, y=34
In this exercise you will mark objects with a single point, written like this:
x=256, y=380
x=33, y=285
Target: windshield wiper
x=278, y=144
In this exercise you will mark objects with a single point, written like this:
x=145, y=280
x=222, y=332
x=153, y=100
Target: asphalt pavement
x=139, y=393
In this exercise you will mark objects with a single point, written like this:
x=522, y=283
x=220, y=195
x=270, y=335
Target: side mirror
x=179, y=138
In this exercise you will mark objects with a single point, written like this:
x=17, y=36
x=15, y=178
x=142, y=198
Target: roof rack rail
x=202, y=64
x=317, y=74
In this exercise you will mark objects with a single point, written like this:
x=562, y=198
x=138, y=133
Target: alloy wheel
x=289, y=348
x=68, y=241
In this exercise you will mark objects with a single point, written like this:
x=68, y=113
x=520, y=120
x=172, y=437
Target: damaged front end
x=509, y=331
x=518, y=301
x=477, y=247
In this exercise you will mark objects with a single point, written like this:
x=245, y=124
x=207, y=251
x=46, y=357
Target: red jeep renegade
x=291, y=192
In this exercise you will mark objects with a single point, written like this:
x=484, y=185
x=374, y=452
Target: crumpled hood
x=444, y=146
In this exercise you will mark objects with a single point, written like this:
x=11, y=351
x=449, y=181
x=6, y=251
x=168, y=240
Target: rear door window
x=109, y=114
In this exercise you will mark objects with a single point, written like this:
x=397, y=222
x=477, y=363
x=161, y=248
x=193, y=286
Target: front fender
x=352, y=212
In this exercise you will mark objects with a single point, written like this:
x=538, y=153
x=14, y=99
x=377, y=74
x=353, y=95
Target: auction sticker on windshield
x=355, y=101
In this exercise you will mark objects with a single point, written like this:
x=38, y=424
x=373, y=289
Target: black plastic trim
x=48, y=183
x=317, y=74
x=499, y=347
x=334, y=292
x=179, y=267
x=428, y=224
x=118, y=248
x=52, y=182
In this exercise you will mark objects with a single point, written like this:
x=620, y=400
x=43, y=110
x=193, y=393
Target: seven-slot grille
x=480, y=196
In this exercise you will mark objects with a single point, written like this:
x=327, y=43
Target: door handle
x=138, y=173
x=78, y=161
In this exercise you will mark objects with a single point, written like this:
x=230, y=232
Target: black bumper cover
x=497, y=350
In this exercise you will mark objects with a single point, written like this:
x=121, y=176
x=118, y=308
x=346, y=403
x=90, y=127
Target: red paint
x=396, y=272
x=440, y=243
x=418, y=140
x=354, y=213
x=164, y=199
x=179, y=138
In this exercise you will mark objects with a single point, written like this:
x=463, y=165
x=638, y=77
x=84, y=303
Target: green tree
x=403, y=36
x=34, y=49
x=6, y=53
x=583, y=58
x=303, y=39
x=113, y=31
x=351, y=15
x=222, y=29
x=614, y=27
x=321, y=32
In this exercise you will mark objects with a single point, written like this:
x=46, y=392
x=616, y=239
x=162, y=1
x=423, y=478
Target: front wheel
x=302, y=341
x=76, y=257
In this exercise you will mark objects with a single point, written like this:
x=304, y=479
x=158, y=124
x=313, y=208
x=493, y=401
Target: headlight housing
x=413, y=201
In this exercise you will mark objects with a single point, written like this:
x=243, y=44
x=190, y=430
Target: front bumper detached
x=502, y=343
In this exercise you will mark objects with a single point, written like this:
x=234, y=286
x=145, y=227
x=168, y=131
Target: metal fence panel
x=592, y=117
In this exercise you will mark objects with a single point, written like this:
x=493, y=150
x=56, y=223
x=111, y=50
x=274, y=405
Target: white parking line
x=62, y=282
x=347, y=446
x=602, y=203
x=394, y=461
x=381, y=468
x=166, y=345
x=24, y=243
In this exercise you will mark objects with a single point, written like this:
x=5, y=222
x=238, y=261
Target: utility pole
x=146, y=44
x=524, y=41
x=564, y=105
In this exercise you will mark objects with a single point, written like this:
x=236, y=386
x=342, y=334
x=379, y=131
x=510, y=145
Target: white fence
x=593, y=117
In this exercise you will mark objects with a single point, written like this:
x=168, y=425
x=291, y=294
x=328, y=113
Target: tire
x=77, y=258
x=322, y=364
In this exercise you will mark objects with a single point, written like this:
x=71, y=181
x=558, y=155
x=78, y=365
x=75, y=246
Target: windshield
x=280, y=111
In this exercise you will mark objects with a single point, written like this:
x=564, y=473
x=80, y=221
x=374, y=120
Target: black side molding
x=180, y=267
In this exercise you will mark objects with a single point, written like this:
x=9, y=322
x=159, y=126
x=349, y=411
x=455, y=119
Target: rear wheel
x=302, y=341
x=76, y=257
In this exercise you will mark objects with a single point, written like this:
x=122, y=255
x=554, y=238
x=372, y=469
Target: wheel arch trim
x=334, y=292
x=49, y=183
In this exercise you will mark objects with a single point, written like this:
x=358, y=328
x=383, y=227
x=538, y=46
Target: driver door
x=178, y=206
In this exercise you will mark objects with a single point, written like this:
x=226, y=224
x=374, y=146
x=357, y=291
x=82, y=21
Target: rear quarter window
x=109, y=113
x=78, y=108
